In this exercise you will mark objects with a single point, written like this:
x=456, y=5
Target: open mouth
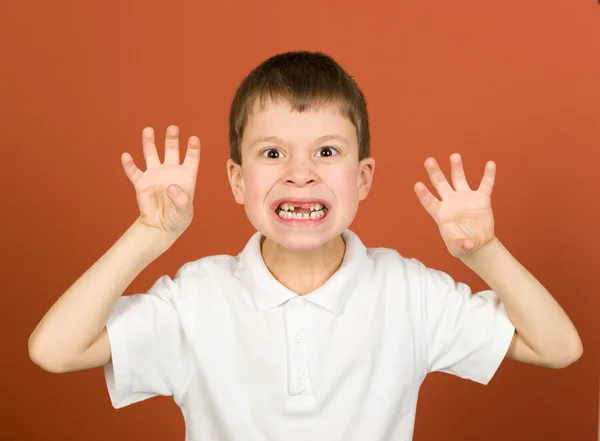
x=300, y=210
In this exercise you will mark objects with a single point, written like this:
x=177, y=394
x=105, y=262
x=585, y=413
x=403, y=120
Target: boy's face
x=307, y=160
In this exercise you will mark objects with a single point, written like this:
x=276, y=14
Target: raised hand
x=165, y=192
x=464, y=216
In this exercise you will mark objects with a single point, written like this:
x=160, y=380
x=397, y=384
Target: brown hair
x=305, y=80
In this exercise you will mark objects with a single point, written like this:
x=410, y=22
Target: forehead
x=279, y=119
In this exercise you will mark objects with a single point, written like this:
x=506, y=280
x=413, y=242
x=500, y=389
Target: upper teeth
x=290, y=207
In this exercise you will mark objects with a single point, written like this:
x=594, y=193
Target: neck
x=303, y=271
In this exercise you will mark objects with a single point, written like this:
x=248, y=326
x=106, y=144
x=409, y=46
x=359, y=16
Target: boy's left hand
x=464, y=216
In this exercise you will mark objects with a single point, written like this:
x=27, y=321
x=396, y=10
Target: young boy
x=306, y=334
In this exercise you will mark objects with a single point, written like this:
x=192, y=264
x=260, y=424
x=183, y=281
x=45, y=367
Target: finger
x=150, y=153
x=179, y=197
x=192, y=156
x=468, y=245
x=427, y=199
x=437, y=178
x=489, y=176
x=460, y=247
x=458, y=173
x=133, y=173
x=172, y=145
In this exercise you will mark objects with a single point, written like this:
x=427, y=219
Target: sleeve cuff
x=117, y=371
x=505, y=331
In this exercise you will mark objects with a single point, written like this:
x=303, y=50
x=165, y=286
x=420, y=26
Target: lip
x=275, y=204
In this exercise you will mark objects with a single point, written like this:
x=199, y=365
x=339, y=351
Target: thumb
x=468, y=244
x=179, y=198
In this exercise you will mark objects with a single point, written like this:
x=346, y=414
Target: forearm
x=81, y=313
x=537, y=316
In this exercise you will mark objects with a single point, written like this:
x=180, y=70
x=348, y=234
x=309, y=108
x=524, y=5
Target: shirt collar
x=268, y=292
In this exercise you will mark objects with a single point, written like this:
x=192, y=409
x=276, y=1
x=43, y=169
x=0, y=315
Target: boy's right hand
x=159, y=208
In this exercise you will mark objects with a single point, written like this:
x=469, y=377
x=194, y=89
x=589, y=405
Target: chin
x=300, y=242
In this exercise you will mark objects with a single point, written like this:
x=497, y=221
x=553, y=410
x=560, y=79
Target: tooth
x=305, y=216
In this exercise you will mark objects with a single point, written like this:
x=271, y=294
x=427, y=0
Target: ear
x=236, y=180
x=366, y=169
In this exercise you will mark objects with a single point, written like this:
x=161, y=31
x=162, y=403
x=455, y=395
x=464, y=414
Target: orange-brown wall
x=517, y=82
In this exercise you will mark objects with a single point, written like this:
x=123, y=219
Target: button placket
x=298, y=377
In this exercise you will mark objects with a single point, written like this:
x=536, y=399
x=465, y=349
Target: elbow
x=569, y=356
x=43, y=359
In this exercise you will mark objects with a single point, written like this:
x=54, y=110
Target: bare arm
x=544, y=333
x=72, y=336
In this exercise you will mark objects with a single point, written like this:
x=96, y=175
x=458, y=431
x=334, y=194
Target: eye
x=326, y=152
x=271, y=153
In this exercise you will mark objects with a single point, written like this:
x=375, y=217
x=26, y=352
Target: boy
x=306, y=334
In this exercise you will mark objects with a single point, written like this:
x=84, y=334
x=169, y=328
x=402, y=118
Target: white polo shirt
x=247, y=359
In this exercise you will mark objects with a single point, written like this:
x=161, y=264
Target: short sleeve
x=466, y=334
x=148, y=346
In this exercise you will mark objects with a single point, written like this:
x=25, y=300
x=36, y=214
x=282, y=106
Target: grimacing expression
x=300, y=180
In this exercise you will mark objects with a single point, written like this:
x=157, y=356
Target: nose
x=300, y=172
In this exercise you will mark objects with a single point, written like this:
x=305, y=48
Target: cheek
x=344, y=184
x=258, y=183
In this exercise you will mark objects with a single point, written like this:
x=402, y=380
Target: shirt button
x=302, y=337
x=297, y=303
x=303, y=374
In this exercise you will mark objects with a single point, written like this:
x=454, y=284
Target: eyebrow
x=318, y=140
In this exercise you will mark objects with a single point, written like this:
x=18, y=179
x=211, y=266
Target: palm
x=157, y=210
x=464, y=216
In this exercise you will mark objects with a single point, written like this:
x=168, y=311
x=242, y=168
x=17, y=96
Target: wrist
x=150, y=239
x=484, y=255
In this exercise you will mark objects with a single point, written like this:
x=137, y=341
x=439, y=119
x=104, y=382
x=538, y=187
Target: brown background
x=516, y=82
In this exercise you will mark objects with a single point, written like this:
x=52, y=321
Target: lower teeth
x=291, y=215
